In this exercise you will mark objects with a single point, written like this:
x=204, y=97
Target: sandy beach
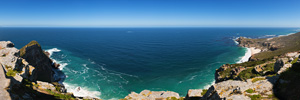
x=254, y=50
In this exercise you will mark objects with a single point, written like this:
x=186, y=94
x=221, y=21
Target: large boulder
x=278, y=65
x=236, y=90
x=34, y=55
x=194, y=94
x=152, y=95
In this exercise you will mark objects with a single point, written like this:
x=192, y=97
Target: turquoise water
x=112, y=62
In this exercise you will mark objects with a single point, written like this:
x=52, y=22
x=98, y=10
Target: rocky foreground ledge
x=27, y=74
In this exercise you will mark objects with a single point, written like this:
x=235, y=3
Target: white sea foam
x=246, y=57
x=193, y=77
x=209, y=85
x=81, y=91
x=52, y=50
x=286, y=35
x=236, y=42
x=267, y=36
x=62, y=65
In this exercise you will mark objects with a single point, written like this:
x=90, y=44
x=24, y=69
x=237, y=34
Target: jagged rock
x=218, y=77
x=238, y=97
x=55, y=65
x=258, y=69
x=273, y=47
x=45, y=86
x=35, y=56
x=284, y=68
x=229, y=88
x=237, y=70
x=10, y=44
x=194, y=94
x=292, y=54
x=152, y=95
x=47, y=53
x=291, y=59
x=278, y=65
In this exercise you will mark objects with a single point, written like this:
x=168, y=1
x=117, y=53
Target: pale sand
x=254, y=51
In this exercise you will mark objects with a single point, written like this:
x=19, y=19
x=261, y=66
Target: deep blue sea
x=112, y=62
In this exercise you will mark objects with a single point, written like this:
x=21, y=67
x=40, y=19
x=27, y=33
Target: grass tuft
x=11, y=73
x=250, y=91
x=257, y=79
x=204, y=91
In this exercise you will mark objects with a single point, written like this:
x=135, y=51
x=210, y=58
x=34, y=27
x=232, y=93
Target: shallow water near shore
x=112, y=62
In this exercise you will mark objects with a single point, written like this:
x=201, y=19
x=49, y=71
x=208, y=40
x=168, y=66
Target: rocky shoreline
x=272, y=72
x=259, y=78
x=31, y=74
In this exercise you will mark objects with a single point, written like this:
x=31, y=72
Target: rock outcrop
x=238, y=90
x=35, y=56
x=194, y=94
x=152, y=95
x=278, y=65
x=27, y=74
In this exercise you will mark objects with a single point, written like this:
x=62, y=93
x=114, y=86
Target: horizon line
x=149, y=27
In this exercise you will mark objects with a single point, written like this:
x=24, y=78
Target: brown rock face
x=34, y=55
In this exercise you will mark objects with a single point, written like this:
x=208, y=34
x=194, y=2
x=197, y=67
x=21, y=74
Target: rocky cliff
x=27, y=74
x=35, y=56
x=272, y=47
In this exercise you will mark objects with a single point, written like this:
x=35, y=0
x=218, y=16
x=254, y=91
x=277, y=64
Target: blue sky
x=150, y=13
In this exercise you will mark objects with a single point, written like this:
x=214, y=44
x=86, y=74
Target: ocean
x=109, y=63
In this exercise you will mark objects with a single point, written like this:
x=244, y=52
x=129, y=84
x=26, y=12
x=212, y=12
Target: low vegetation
x=64, y=96
x=11, y=73
x=257, y=79
x=247, y=74
x=174, y=98
x=255, y=97
x=204, y=91
x=250, y=91
x=294, y=61
x=269, y=67
x=251, y=63
x=286, y=44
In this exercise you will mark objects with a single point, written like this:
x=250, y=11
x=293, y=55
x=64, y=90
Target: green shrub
x=204, y=91
x=61, y=95
x=247, y=74
x=257, y=79
x=250, y=91
x=27, y=83
x=225, y=73
x=294, y=61
x=255, y=97
x=269, y=67
x=172, y=98
x=11, y=73
x=251, y=63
